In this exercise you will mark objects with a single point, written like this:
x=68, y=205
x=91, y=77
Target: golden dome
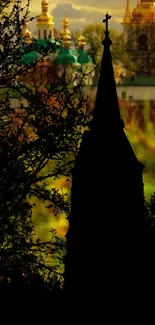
x=65, y=33
x=66, y=40
x=65, y=30
x=26, y=34
x=81, y=40
x=144, y=12
x=45, y=17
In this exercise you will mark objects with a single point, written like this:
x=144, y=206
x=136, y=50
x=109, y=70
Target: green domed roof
x=36, y=49
x=46, y=43
x=66, y=57
x=30, y=57
x=83, y=57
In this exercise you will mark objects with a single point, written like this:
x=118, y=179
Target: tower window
x=39, y=34
x=143, y=42
x=50, y=34
x=44, y=33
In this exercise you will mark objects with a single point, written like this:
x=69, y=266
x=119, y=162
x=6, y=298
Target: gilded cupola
x=45, y=17
x=144, y=12
x=81, y=41
x=45, y=22
x=26, y=34
x=65, y=33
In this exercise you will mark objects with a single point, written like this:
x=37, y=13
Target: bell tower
x=139, y=26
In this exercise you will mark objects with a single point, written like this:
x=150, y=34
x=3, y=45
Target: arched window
x=44, y=33
x=50, y=34
x=39, y=34
x=143, y=42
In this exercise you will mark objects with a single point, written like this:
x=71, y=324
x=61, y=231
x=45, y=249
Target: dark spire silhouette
x=107, y=197
x=106, y=106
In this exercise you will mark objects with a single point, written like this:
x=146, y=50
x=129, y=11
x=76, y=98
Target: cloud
x=66, y=9
x=83, y=12
x=96, y=4
x=78, y=18
x=100, y=4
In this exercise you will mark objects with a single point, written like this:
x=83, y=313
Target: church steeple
x=106, y=111
x=127, y=16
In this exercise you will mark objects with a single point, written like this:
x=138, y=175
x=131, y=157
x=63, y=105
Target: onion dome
x=144, y=12
x=83, y=57
x=81, y=41
x=65, y=33
x=66, y=57
x=26, y=34
x=45, y=18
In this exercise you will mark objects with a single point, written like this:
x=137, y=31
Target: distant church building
x=65, y=54
x=139, y=25
x=107, y=197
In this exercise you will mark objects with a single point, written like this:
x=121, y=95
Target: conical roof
x=127, y=16
x=106, y=104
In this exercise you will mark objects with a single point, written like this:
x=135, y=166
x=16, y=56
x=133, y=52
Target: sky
x=83, y=12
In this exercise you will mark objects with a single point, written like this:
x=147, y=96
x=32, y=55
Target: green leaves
x=94, y=34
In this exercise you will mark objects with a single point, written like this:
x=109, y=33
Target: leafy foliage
x=94, y=34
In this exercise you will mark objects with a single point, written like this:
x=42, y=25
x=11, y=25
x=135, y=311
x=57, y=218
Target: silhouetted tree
x=150, y=218
x=40, y=126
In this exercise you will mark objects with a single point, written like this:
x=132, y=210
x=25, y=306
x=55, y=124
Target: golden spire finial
x=65, y=33
x=81, y=40
x=127, y=16
x=26, y=34
x=44, y=5
x=65, y=20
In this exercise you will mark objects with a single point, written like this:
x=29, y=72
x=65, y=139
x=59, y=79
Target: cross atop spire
x=106, y=104
x=107, y=41
x=107, y=17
